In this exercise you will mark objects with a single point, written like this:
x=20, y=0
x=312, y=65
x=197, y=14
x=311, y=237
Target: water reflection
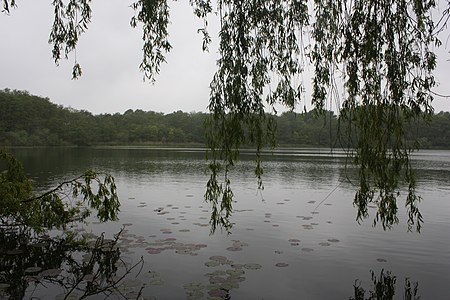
x=167, y=177
x=383, y=288
x=62, y=267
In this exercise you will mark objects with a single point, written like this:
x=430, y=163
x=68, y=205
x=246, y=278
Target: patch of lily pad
x=281, y=265
x=237, y=246
x=226, y=277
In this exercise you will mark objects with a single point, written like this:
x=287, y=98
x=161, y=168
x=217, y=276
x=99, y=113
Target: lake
x=296, y=239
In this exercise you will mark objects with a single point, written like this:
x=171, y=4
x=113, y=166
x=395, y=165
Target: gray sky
x=110, y=53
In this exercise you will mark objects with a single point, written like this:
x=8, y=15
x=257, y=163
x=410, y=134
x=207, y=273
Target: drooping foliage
x=71, y=200
x=374, y=58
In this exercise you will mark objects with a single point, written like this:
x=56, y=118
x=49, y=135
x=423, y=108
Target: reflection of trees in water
x=66, y=265
x=384, y=288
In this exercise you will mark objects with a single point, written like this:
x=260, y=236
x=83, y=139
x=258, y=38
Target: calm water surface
x=303, y=221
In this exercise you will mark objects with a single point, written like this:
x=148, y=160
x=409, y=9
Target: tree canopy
x=375, y=58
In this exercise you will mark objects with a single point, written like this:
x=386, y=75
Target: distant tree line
x=28, y=120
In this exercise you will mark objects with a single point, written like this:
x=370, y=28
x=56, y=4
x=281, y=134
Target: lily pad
x=212, y=263
x=381, y=260
x=154, y=251
x=281, y=265
x=234, y=248
x=193, y=286
x=252, y=266
x=325, y=244
x=216, y=279
x=218, y=293
x=156, y=281
x=218, y=258
x=235, y=272
x=294, y=240
x=333, y=240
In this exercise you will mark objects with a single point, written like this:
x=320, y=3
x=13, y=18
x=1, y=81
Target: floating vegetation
x=237, y=246
x=333, y=240
x=314, y=212
x=324, y=244
x=328, y=204
x=280, y=203
x=235, y=272
x=252, y=266
x=220, y=281
x=294, y=241
x=314, y=224
x=382, y=260
x=153, y=250
x=154, y=278
x=311, y=202
x=307, y=249
x=189, y=195
x=220, y=293
x=170, y=219
x=278, y=252
x=281, y=265
x=218, y=258
x=249, y=229
x=194, y=290
x=286, y=200
x=212, y=263
x=307, y=226
x=275, y=225
x=183, y=230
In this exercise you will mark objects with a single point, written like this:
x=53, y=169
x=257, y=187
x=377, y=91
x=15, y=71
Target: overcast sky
x=110, y=53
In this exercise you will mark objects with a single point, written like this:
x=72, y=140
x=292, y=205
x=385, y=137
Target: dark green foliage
x=70, y=200
x=47, y=124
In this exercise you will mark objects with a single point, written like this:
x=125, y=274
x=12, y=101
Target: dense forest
x=28, y=120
